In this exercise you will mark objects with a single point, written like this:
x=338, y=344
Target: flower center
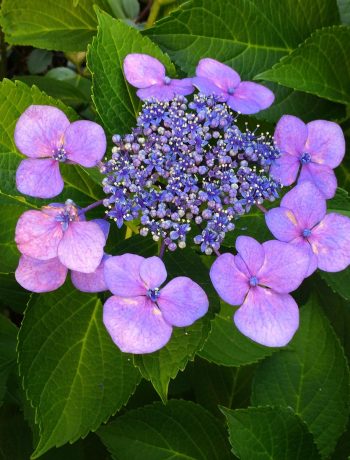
x=306, y=232
x=153, y=294
x=60, y=155
x=231, y=90
x=253, y=281
x=167, y=80
x=305, y=158
x=68, y=214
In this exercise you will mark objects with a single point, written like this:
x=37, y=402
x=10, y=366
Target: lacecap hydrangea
x=184, y=175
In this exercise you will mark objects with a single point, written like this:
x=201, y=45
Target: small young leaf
x=310, y=376
x=269, y=433
x=179, y=430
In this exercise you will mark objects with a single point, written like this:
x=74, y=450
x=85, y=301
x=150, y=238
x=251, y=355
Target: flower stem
x=91, y=206
x=153, y=14
x=261, y=207
x=161, y=250
x=217, y=252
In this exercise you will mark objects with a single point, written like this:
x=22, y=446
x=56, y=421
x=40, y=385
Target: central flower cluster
x=185, y=165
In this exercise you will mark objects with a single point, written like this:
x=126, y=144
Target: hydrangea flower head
x=187, y=166
x=45, y=135
x=259, y=278
x=141, y=313
x=302, y=221
x=314, y=149
x=148, y=74
x=215, y=78
x=59, y=231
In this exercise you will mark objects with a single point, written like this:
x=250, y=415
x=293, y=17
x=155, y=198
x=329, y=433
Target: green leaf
x=124, y=9
x=310, y=376
x=340, y=203
x=296, y=103
x=115, y=100
x=15, y=435
x=39, y=60
x=227, y=346
x=8, y=336
x=339, y=282
x=54, y=25
x=11, y=294
x=179, y=430
x=228, y=30
x=218, y=385
x=269, y=433
x=318, y=66
x=74, y=376
x=163, y=365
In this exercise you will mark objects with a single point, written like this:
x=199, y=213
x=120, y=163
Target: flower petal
x=182, y=87
x=153, y=272
x=209, y=88
x=122, y=275
x=283, y=224
x=38, y=235
x=221, y=74
x=103, y=224
x=321, y=176
x=81, y=247
x=250, y=98
x=85, y=143
x=142, y=70
x=304, y=244
x=182, y=302
x=307, y=203
x=252, y=253
x=40, y=275
x=285, y=169
x=229, y=282
x=39, y=178
x=91, y=282
x=325, y=142
x=39, y=130
x=135, y=324
x=330, y=241
x=285, y=266
x=268, y=318
x=291, y=135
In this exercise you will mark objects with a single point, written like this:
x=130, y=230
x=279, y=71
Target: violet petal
x=142, y=70
x=39, y=178
x=122, y=275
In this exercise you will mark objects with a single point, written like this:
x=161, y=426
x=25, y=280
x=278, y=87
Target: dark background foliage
x=210, y=393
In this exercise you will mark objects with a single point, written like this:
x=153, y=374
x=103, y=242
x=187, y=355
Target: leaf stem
x=153, y=14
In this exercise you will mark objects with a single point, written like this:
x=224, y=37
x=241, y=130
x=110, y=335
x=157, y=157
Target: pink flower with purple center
x=246, y=97
x=45, y=135
x=302, y=221
x=314, y=149
x=60, y=231
x=148, y=74
x=141, y=313
x=259, y=278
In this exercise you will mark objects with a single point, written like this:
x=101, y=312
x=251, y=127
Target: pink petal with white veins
x=135, y=324
x=40, y=275
x=268, y=318
x=252, y=253
x=122, y=275
x=39, y=130
x=38, y=235
x=153, y=272
x=250, y=98
x=81, y=247
x=91, y=282
x=285, y=169
x=321, y=176
x=182, y=302
x=142, y=70
x=85, y=143
x=209, y=88
x=325, y=143
x=39, y=178
x=291, y=135
x=221, y=74
x=283, y=224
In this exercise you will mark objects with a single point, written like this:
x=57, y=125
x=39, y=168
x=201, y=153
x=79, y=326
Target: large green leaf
x=227, y=346
x=57, y=25
x=8, y=335
x=74, y=376
x=115, y=100
x=320, y=65
x=310, y=376
x=344, y=11
x=11, y=294
x=163, y=365
x=16, y=439
x=179, y=430
x=269, y=433
x=250, y=35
